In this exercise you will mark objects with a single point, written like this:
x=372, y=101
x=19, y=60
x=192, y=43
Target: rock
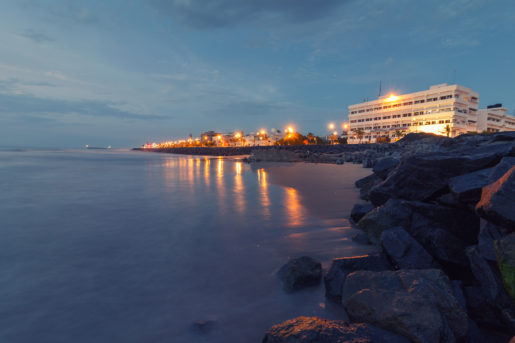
x=318, y=330
x=361, y=238
x=467, y=187
x=449, y=199
x=505, y=251
x=489, y=278
x=497, y=202
x=501, y=168
x=418, y=304
x=404, y=251
x=393, y=213
x=485, y=246
x=384, y=166
x=341, y=267
x=422, y=176
x=299, y=273
x=359, y=210
x=417, y=218
x=480, y=310
x=365, y=185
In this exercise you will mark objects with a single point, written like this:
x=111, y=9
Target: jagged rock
x=485, y=245
x=501, y=168
x=418, y=218
x=418, y=304
x=467, y=187
x=505, y=251
x=497, y=202
x=318, y=330
x=299, y=273
x=404, y=251
x=420, y=177
x=489, y=279
x=341, y=267
x=366, y=183
x=448, y=199
x=359, y=210
x=393, y=213
x=384, y=166
x=360, y=237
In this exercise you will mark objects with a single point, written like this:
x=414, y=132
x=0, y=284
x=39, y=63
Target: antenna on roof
x=454, y=77
x=379, y=89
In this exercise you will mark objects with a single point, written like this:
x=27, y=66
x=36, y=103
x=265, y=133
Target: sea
x=129, y=246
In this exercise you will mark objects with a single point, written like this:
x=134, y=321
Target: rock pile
x=442, y=215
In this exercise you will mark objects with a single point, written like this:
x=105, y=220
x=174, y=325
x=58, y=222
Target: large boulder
x=419, y=219
x=384, y=166
x=485, y=241
x=393, y=213
x=467, y=187
x=487, y=275
x=497, y=202
x=422, y=176
x=341, y=267
x=404, y=251
x=318, y=330
x=359, y=210
x=418, y=304
x=501, y=168
x=366, y=184
x=505, y=251
x=299, y=273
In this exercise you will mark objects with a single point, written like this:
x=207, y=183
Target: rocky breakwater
x=442, y=215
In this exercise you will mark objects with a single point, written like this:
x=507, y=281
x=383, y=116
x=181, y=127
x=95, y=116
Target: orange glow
x=219, y=137
x=265, y=200
x=345, y=126
x=205, y=138
x=220, y=168
x=239, y=189
x=331, y=126
x=335, y=133
x=293, y=207
x=289, y=129
x=263, y=132
x=392, y=97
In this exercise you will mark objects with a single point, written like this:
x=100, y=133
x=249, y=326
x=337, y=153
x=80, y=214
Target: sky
x=126, y=72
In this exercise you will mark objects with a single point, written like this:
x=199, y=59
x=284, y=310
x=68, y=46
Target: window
x=440, y=122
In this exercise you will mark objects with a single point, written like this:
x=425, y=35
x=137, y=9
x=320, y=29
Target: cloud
x=28, y=106
x=228, y=13
x=37, y=36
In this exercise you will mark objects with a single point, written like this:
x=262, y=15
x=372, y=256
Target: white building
x=494, y=119
x=442, y=109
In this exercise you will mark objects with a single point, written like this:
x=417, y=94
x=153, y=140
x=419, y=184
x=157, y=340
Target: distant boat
x=97, y=148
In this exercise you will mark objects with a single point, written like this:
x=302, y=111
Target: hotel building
x=442, y=109
x=494, y=119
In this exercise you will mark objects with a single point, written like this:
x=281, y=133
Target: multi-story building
x=442, y=109
x=494, y=119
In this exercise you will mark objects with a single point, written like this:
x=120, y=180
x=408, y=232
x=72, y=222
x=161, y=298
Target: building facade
x=494, y=119
x=442, y=109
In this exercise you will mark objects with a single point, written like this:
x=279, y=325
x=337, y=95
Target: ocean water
x=121, y=246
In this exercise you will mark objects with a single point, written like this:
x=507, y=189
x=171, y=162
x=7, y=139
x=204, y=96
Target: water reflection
x=294, y=210
x=233, y=190
x=239, y=189
x=263, y=189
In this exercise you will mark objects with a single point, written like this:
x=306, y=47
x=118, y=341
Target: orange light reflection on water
x=294, y=210
x=263, y=188
x=239, y=189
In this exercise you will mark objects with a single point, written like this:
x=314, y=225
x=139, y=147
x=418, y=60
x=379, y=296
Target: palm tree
x=447, y=130
x=359, y=133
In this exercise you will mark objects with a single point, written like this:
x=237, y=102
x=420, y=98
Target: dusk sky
x=122, y=73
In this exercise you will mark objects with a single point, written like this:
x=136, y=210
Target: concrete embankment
x=297, y=149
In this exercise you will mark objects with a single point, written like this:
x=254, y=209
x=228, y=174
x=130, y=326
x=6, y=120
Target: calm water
x=105, y=246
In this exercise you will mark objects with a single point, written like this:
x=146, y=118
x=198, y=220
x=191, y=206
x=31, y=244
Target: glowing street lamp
x=331, y=126
x=263, y=132
x=237, y=135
